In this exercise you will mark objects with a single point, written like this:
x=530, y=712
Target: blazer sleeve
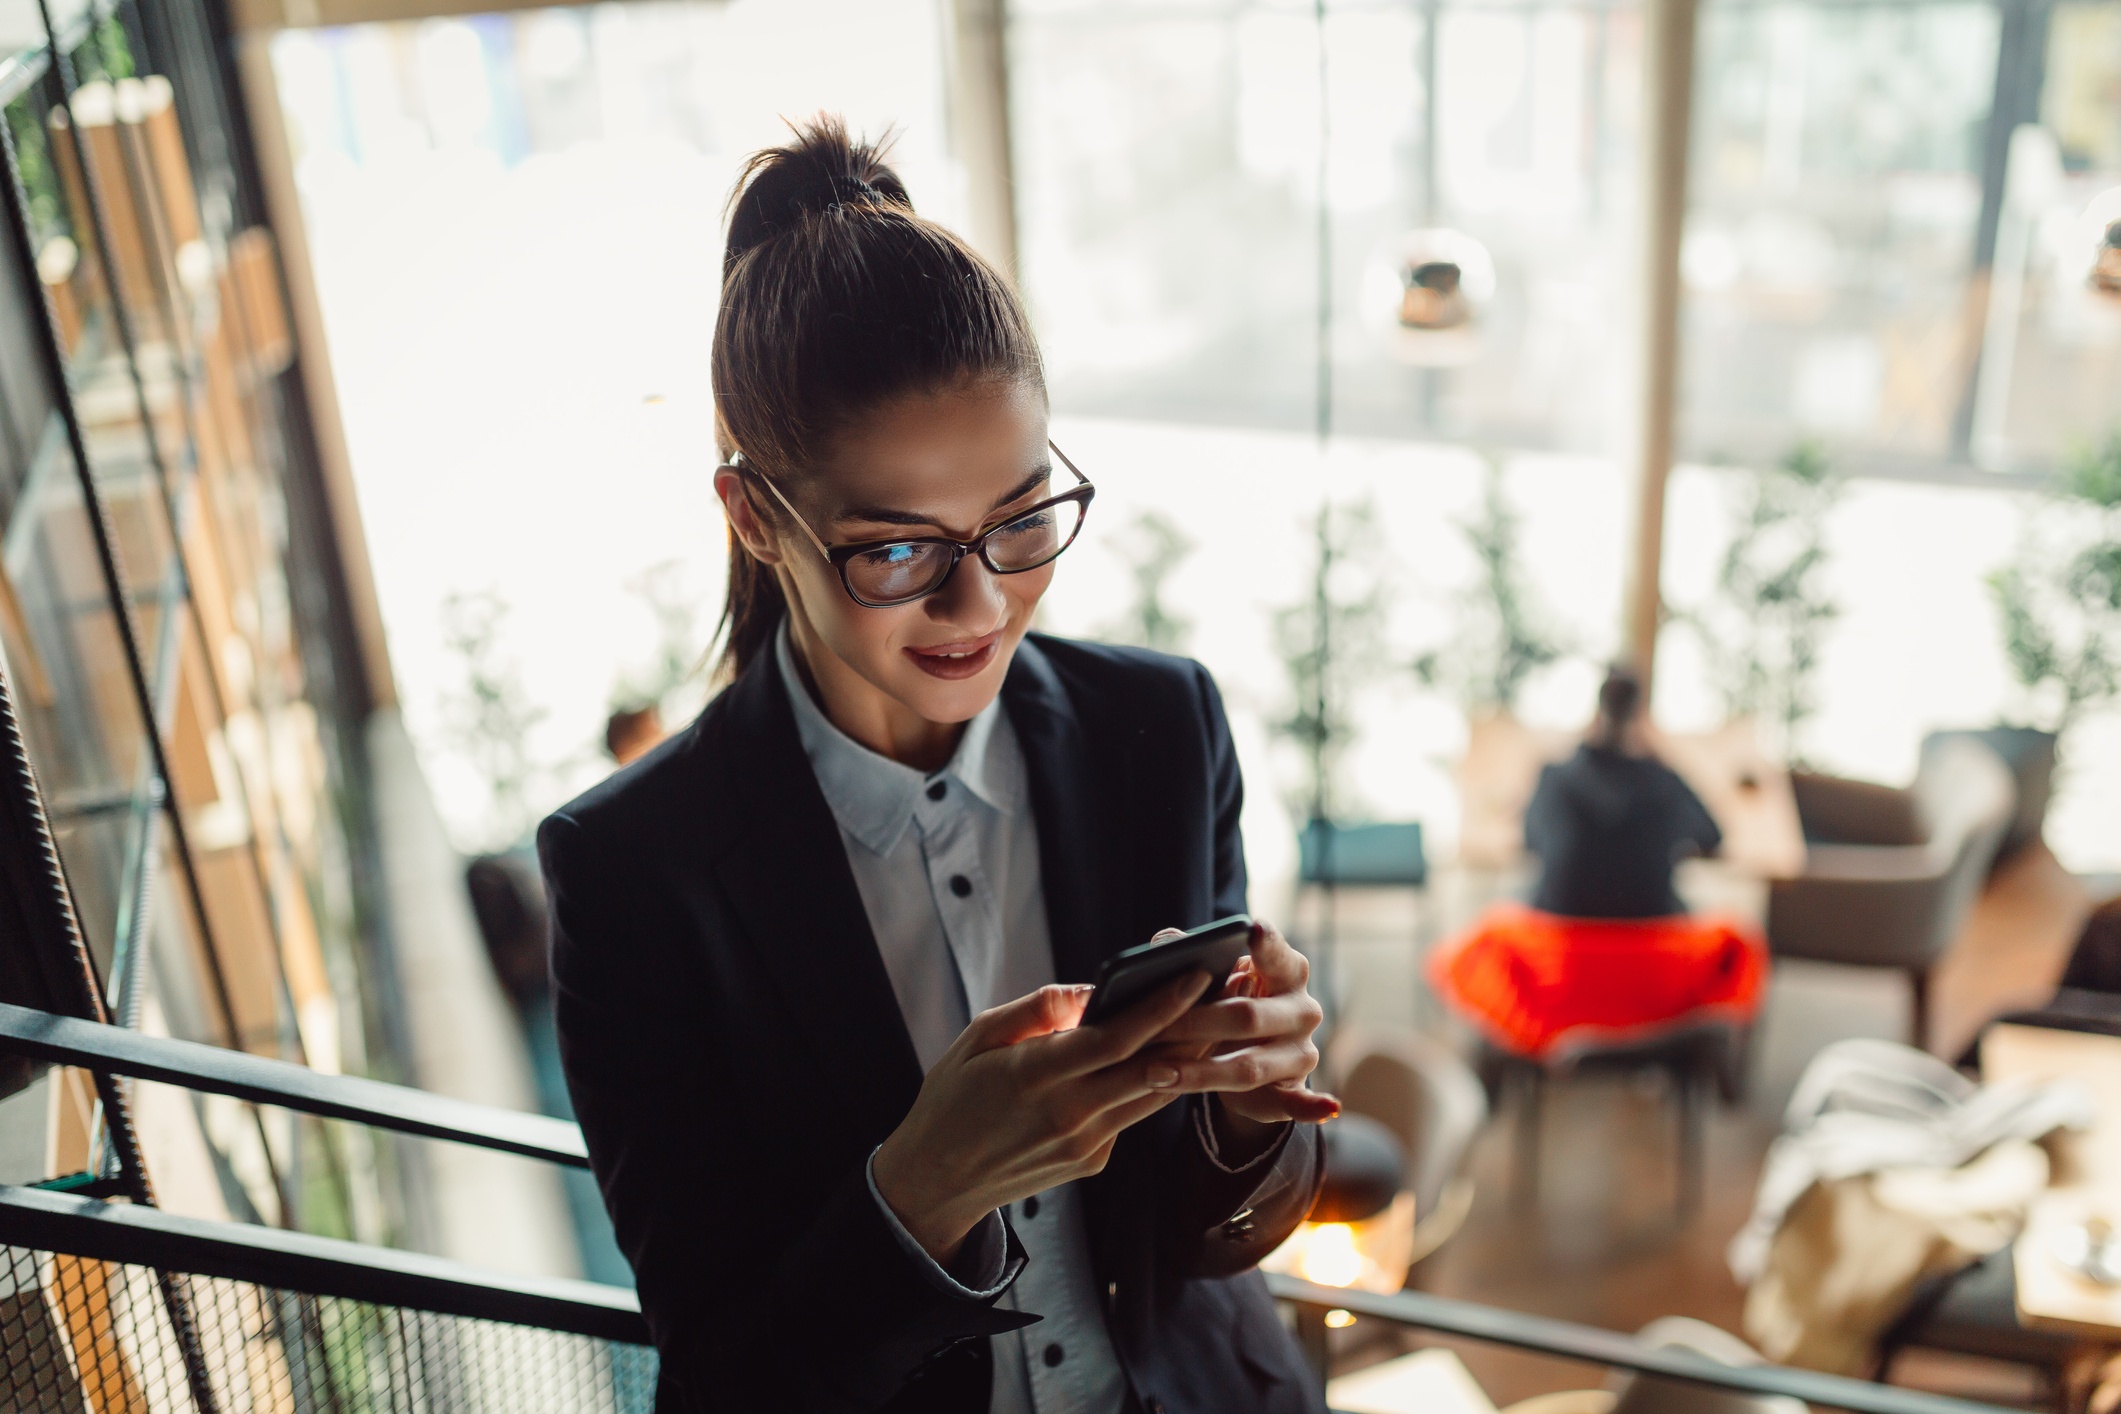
x=1226, y=801
x=1220, y=1220
x=735, y=1290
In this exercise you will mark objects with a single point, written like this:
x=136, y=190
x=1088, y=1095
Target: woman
x=1612, y=823
x=1606, y=955
x=819, y=958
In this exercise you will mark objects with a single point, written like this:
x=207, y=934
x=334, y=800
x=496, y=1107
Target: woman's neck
x=855, y=705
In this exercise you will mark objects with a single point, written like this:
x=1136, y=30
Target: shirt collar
x=873, y=797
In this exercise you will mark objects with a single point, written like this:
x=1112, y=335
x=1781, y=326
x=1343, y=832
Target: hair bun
x=822, y=168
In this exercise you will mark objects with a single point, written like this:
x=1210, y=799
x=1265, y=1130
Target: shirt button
x=937, y=790
x=961, y=886
x=1031, y=1207
x=1054, y=1355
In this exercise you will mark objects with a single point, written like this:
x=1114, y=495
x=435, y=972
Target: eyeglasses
x=883, y=574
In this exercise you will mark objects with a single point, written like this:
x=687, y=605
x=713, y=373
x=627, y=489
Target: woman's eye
x=1037, y=520
x=888, y=556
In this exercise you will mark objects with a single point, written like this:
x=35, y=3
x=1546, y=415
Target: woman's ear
x=744, y=518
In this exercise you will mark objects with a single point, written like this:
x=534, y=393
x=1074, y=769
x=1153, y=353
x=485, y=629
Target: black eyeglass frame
x=838, y=556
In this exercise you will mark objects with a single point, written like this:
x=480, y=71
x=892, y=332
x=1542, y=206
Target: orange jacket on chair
x=1536, y=982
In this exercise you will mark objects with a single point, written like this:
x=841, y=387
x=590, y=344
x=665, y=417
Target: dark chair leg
x=1531, y=1094
x=1918, y=1026
x=1687, y=1087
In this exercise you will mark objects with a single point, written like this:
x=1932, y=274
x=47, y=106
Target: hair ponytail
x=837, y=298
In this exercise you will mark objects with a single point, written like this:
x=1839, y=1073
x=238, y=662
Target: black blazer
x=735, y=1052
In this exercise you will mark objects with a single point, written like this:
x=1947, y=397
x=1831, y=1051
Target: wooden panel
x=254, y=280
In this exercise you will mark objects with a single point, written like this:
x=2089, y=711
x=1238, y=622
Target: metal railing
x=348, y=1327
x=1568, y=1340
x=213, y=1070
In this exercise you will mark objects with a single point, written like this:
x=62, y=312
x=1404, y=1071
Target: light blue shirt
x=948, y=870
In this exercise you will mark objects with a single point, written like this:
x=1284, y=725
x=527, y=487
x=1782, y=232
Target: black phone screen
x=1214, y=948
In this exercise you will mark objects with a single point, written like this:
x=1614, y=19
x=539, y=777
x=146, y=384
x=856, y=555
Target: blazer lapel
x=1058, y=761
x=789, y=881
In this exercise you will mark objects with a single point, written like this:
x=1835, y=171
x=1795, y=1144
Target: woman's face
x=953, y=464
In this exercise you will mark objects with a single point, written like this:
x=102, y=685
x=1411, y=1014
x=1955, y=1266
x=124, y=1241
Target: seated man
x=1605, y=955
x=1611, y=823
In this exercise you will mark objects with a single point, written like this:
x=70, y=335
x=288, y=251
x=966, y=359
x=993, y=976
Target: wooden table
x=1748, y=794
x=2087, y=1176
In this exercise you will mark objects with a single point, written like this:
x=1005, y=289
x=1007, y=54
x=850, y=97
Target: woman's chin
x=956, y=689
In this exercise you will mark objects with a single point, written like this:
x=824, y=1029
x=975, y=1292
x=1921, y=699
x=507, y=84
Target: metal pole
x=1322, y=589
x=2021, y=78
x=979, y=126
x=1668, y=81
x=61, y=954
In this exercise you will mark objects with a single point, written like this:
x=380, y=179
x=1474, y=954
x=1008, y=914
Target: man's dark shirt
x=1608, y=829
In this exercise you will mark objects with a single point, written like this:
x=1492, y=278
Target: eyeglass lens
x=887, y=574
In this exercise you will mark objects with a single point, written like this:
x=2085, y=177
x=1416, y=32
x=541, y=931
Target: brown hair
x=837, y=298
x=1619, y=699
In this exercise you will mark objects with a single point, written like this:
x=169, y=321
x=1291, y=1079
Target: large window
x=160, y=619
x=516, y=228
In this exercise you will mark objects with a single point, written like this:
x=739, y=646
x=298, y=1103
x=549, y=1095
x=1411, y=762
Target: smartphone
x=1214, y=948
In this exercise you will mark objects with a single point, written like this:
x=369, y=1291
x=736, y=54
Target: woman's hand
x=1253, y=1046
x=1023, y=1100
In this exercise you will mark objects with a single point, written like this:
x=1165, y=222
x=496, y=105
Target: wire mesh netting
x=79, y=1336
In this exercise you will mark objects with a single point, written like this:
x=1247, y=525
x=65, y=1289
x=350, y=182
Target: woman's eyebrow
x=886, y=515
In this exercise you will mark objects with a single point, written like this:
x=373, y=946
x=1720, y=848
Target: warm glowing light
x=1373, y=1254
x=1330, y=1258
x=1339, y=1320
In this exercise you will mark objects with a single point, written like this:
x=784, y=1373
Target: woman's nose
x=972, y=598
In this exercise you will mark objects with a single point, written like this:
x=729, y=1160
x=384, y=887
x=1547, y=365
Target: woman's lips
x=952, y=661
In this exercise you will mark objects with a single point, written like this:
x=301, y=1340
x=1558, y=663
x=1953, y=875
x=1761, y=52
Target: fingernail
x=1162, y=1077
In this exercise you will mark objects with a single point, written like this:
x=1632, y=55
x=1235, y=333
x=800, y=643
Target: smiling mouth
x=963, y=659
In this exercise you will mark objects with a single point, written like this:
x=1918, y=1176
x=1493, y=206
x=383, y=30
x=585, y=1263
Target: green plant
x=2060, y=604
x=33, y=166
x=679, y=650
x=1762, y=625
x=1505, y=634
x=1152, y=547
x=1331, y=645
x=491, y=717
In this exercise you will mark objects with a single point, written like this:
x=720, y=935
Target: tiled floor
x=1604, y=1245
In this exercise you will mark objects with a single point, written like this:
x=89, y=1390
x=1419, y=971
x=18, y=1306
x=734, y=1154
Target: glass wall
x=1850, y=217
x=1169, y=165
x=160, y=612
x=539, y=195
x=1875, y=269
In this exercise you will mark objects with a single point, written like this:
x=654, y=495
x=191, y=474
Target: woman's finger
x=1245, y=1019
x=1248, y=1069
x=1039, y=1013
x=1280, y=1102
x=1107, y=1042
x=1281, y=967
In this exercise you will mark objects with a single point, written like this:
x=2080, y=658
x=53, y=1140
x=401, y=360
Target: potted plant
x=2060, y=611
x=1762, y=624
x=1505, y=637
x=490, y=718
x=1331, y=646
x=1505, y=634
x=1152, y=547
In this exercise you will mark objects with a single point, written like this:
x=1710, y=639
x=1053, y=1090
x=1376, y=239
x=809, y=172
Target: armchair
x=1890, y=874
